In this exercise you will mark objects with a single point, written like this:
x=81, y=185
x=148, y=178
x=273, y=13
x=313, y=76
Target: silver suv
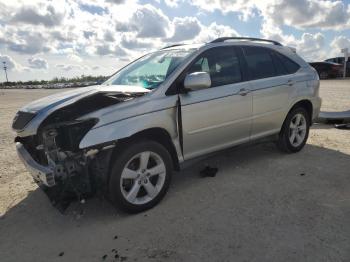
x=126, y=136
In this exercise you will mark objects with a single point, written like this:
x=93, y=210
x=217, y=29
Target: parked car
x=340, y=60
x=126, y=136
x=328, y=69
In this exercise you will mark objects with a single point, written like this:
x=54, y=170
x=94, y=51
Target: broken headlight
x=22, y=119
x=69, y=134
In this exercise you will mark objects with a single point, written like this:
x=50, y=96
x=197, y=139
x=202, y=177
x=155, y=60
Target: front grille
x=22, y=119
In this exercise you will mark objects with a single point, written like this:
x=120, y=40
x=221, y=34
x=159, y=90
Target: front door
x=219, y=116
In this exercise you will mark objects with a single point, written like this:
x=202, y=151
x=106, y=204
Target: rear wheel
x=140, y=176
x=295, y=131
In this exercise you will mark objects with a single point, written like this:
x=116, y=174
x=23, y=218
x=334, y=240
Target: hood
x=68, y=97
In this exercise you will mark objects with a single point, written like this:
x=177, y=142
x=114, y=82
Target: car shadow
x=255, y=186
x=240, y=157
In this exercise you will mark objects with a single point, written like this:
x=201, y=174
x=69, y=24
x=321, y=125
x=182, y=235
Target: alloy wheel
x=142, y=178
x=297, y=130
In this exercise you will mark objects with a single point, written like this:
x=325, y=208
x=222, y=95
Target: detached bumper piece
x=41, y=174
x=61, y=192
x=334, y=117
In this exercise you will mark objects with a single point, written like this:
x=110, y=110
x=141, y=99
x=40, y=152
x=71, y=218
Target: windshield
x=150, y=70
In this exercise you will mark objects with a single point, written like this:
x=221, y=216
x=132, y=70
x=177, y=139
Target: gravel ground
x=261, y=206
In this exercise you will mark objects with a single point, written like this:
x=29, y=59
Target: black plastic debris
x=104, y=257
x=302, y=174
x=342, y=126
x=209, y=171
x=334, y=117
x=61, y=254
x=115, y=237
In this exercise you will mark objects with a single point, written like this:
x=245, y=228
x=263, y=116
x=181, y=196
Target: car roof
x=244, y=41
x=229, y=41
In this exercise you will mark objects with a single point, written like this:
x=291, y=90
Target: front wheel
x=140, y=176
x=295, y=131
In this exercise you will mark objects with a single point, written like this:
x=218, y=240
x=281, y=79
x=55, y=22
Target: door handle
x=243, y=92
x=290, y=82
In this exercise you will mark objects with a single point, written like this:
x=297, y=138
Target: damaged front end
x=53, y=157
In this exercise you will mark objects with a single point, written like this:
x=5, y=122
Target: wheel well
x=307, y=105
x=159, y=135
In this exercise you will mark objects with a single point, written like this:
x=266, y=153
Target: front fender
x=165, y=119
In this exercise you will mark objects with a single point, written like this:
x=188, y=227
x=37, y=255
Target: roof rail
x=171, y=46
x=223, y=39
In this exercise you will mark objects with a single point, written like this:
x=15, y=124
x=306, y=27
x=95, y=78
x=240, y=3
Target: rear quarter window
x=289, y=65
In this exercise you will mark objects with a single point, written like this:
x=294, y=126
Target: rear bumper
x=41, y=174
x=316, y=104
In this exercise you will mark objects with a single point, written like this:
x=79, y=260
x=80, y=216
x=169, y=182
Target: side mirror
x=197, y=81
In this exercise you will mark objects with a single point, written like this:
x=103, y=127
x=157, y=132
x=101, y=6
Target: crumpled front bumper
x=41, y=174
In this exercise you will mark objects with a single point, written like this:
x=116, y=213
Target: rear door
x=272, y=85
x=219, y=116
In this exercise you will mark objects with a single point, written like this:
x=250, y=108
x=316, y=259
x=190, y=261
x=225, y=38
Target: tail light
x=337, y=67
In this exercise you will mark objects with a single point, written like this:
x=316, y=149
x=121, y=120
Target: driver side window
x=221, y=63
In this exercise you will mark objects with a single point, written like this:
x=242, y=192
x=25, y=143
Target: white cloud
x=340, y=42
x=118, y=2
x=244, y=7
x=172, y=3
x=75, y=58
x=10, y=62
x=185, y=28
x=310, y=46
x=32, y=15
x=302, y=14
x=72, y=33
x=150, y=22
x=37, y=63
x=214, y=31
x=72, y=67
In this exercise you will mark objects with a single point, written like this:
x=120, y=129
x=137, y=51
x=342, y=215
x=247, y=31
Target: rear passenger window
x=259, y=62
x=289, y=65
x=221, y=63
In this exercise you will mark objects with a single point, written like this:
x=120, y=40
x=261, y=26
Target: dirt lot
x=261, y=206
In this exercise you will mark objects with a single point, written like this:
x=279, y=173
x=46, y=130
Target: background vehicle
x=328, y=69
x=126, y=136
x=340, y=60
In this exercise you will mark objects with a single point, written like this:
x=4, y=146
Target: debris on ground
x=104, y=257
x=209, y=171
x=61, y=254
x=302, y=174
x=342, y=126
x=115, y=237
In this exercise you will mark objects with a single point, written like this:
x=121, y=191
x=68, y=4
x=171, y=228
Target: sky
x=44, y=39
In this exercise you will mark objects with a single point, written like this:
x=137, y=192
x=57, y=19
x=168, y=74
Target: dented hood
x=57, y=100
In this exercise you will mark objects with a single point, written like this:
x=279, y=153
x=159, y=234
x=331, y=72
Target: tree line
x=55, y=80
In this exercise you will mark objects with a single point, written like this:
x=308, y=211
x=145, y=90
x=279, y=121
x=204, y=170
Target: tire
x=129, y=173
x=290, y=126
